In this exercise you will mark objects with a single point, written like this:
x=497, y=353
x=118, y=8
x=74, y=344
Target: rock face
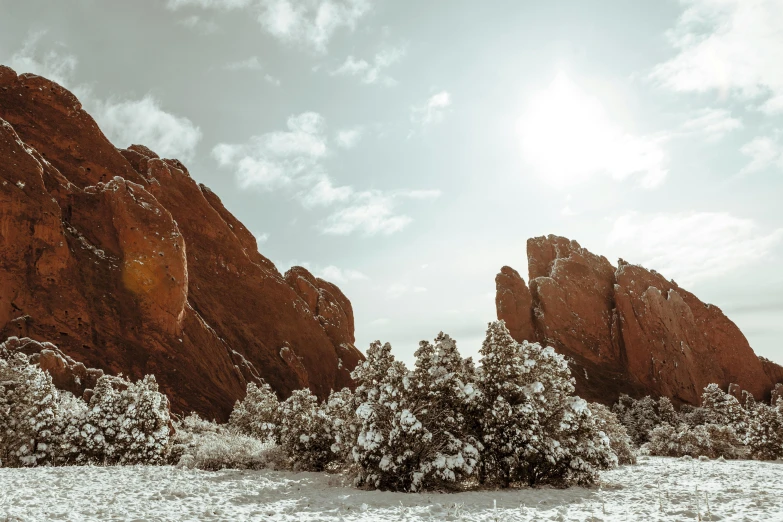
x=128, y=265
x=626, y=329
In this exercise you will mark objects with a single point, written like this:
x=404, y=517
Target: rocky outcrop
x=627, y=329
x=128, y=265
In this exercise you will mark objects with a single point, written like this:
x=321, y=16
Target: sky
x=407, y=150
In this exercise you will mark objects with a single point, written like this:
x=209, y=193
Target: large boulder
x=128, y=265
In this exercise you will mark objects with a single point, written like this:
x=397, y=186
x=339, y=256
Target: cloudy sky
x=406, y=150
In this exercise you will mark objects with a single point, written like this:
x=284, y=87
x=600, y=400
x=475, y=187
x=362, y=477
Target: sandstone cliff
x=128, y=265
x=626, y=329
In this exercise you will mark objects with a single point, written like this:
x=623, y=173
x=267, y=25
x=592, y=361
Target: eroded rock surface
x=627, y=329
x=128, y=265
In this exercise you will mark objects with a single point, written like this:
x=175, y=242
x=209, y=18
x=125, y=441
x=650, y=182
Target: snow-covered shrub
x=765, y=433
x=126, y=422
x=532, y=427
x=304, y=432
x=339, y=410
x=123, y=423
x=205, y=445
x=378, y=397
x=710, y=440
x=692, y=415
x=28, y=412
x=607, y=422
x=639, y=417
x=724, y=410
x=257, y=414
x=413, y=428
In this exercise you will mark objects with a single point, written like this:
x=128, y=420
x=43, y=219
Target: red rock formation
x=627, y=330
x=127, y=264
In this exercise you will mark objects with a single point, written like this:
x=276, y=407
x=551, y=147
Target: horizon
x=400, y=177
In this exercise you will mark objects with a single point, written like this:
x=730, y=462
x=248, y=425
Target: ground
x=657, y=489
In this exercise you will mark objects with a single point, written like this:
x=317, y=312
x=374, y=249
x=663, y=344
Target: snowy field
x=656, y=489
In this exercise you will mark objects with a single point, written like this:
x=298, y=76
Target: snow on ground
x=656, y=489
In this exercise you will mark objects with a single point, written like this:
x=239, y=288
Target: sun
x=567, y=137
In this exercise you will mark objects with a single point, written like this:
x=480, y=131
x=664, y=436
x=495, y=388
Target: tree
x=257, y=414
x=304, y=432
x=724, y=409
x=126, y=422
x=765, y=433
x=639, y=417
x=533, y=429
x=607, y=422
x=340, y=410
x=413, y=433
x=28, y=412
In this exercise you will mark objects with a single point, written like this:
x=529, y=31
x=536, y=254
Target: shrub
x=123, y=423
x=208, y=446
x=304, y=432
x=257, y=414
x=607, y=422
x=710, y=440
x=765, y=433
x=533, y=429
x=126, y=422
x=28, y=412
x=413, y=431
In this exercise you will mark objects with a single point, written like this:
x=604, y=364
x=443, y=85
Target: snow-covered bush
x=28, y=412
x=205, y=445
x=340, y=411
x=607, y=422
x=723, y=409
x=413, y=430
x=641, y=416
x=126, y=422
x=532, y=427
x=709, y=440
x=765, y=432
x=692, y=415
x=257, y=414
x=304, y=432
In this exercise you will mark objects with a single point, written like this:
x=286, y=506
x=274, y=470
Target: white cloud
x=144, y=122
x=713, y=124
x=728, y=46
x=262, y=238
x=250, y=64
x=420, y=194
x=293, y=159
x=764, y=152
x=209, y=4
x=324, y=193
x=369, y=213
x=372, y=73
x=272, y=79
x=397, y=290
x=433, y=111
x=311, y=23
x=55, y=65
x=124, y=122
x=694, y=246
x=567, y=138
x=277, y=158
x=196, y=23
x=339, y=275
x=348, y=138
